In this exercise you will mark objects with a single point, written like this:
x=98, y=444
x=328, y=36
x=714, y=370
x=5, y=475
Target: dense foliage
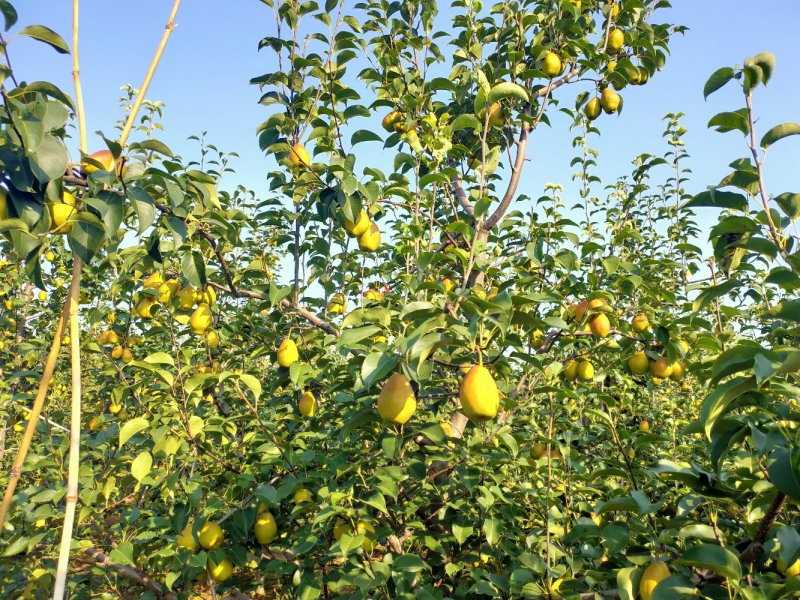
x=297, y=369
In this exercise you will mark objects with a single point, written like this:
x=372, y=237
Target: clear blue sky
x=203, y=79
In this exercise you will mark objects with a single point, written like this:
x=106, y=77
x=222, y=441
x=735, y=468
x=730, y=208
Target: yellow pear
x=586, y=370
x=302, y=495
x=393, y=121
x=307, y=404
x=210, y=535
x=661, y=368
x=792, y=571
x=570, y=371
x=200, y=319
x=592, y=109
x=116, y=352
x=610, y=100
x=370, y=239
x=638, y=363
x=600, y=325
x=337, y=304
x=212, y=339
x=655, y=573
x=186, y=539
x=266, y=528
x=154, y=281
x=127, y=356
x=552, y=65
x=3, y=204
x=299, y=156
x=478, y=394
x=616, y=39
x=61, y=214
x=644, y=426
x=359, y=226
x=144, y=307
x=396, y=402
x=640, y=323
x=167, y=290
x=209, y=296
x=677, y=370
x=220, y=572
x=185, y=297
x=287, y=353
x=496, y=115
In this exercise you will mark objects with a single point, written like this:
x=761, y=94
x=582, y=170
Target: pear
x=299, y=156
x=266, y=528
x=359, y=226
x=600, y=325
x=370, y=239
x=396, y=402
x=616, y=39
x=307, y=404
x=210, y=535
x=337, y=304
x=661, y=368
x=287, y=353
x=640, y=323
x=654, y=574
x=610, y=100
x=153, y=281
x=570, y=371
x=478, y=394
x=638, y=363
x=586, y=370
x=185, y=297
x=552, y=65
x=592, y=109
x=186, y=539
x=167, y=290
x=220, y=571
x=200, y=319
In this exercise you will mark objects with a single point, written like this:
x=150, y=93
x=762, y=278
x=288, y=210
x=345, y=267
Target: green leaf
x=507, y=89
x=765, y=61
x=354, y=335
x=783, y=471
x=46, y=35
x=378, y=501
x=778, y=133
x=718, y=401
x=628, y=582
x=465, y=121
x=715, y=558
x=731, y=121
x=253, y=383
x=365, y=135
x=193, y=268
x=789, y=539
x=86, y=236
x=9, y=14
x=141, y=466
x=709, y=294
x=462, y=532
x=409, y=563
x=676, y=587
x=376, y=366
x=131, y=428
x=718, y=199
x=789, y=204
x=48, y=89
x=787, y=309
x=717, y=80
x=122, y=554
x=155, y=146
x=492, y=529
x=196, y=425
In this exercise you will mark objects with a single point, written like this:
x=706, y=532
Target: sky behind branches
x=212, y=54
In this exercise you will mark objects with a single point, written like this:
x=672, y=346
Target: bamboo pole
x=74, y=435
x=71, y=500
x=36, y=411
x=126, y=130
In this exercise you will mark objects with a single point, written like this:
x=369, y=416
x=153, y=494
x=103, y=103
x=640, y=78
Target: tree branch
x=756, y=548
x=519, y=161
x=102, y=559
